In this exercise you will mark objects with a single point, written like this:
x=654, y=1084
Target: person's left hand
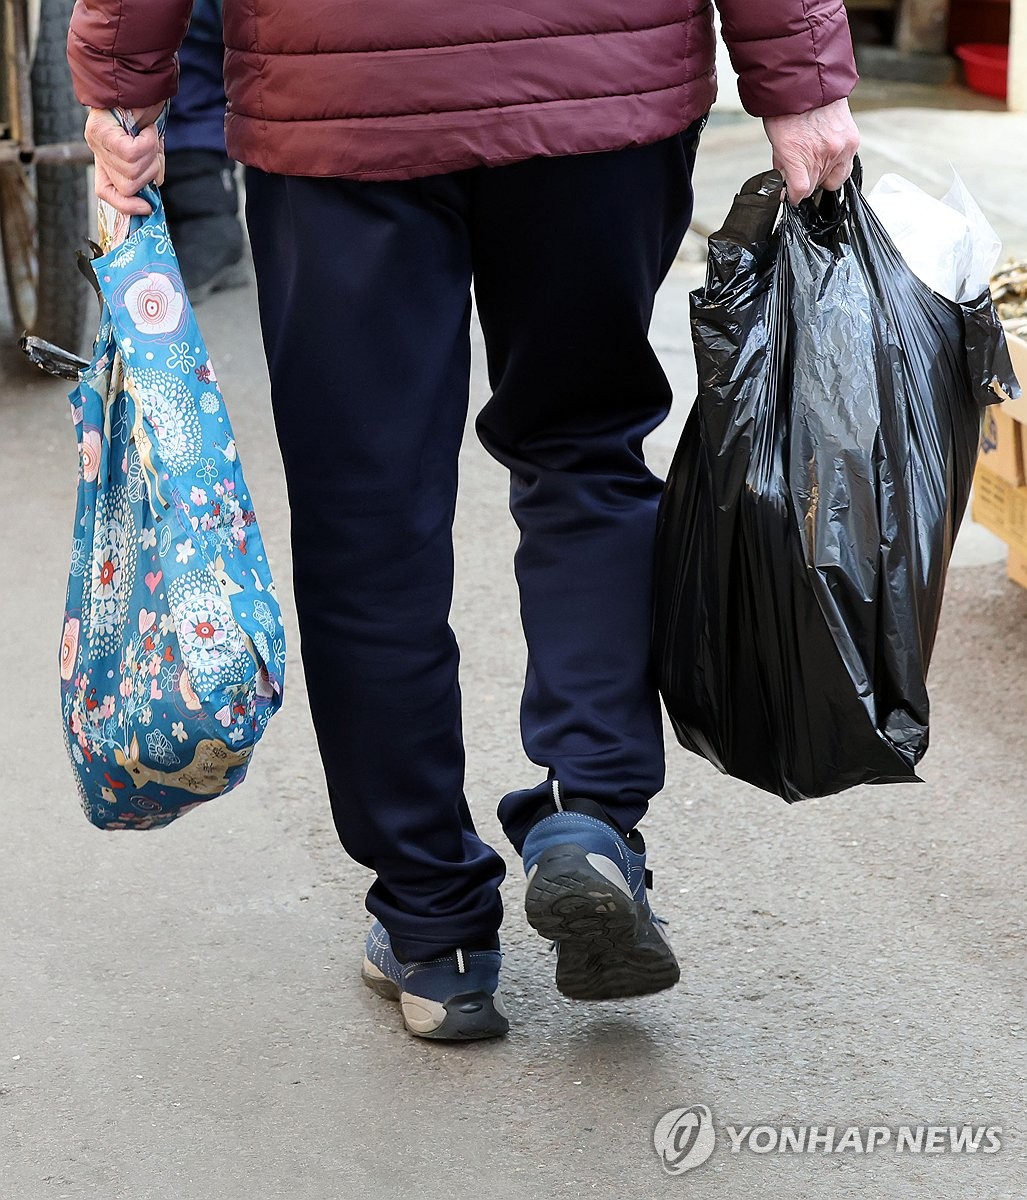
x=814, y=149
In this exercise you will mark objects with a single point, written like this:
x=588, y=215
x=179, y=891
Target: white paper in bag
x=948, y=243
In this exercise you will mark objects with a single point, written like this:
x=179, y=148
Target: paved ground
x=180, y=1013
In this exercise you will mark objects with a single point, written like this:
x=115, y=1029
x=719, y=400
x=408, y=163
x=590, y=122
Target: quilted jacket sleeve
x=123, y=52
x=791, y=55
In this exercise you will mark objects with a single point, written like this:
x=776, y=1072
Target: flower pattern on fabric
x=120, y=427
x=154, y=305
x=263, y=649
x=158, y=231
x=69, y=647
x=123, y=257
x=89, y=449
x=202, y=634
x=179, y=358
x=205, y=374
x=263, y=615
x=160, y=749
x=79, y=557
x=136, y=484
x=112, y=570
x=208, y=470
x=168, y=679
x=213, y=649
x=168, y=407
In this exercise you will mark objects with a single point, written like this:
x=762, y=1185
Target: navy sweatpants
x=364, y=293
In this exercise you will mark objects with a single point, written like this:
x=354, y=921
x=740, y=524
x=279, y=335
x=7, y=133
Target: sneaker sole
x=608, y=946
x=471, y=1016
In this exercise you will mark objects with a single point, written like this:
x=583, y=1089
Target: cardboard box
x=1002, y=445
x=1018, y=356
x=1000, y=494
x=1001, y=507
x=1017, y=568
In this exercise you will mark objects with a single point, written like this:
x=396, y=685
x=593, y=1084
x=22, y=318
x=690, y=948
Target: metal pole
x=57, y=152
x=21, y=112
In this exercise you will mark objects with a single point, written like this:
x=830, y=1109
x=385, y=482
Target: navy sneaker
x=454, y=998
x=587, y=893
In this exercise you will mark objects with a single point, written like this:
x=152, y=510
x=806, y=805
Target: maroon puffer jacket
x=392, y=89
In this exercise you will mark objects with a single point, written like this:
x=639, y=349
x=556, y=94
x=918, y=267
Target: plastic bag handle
x=758, y=203
x=826, y=216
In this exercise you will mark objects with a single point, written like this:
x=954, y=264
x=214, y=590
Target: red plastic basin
x=985, y=67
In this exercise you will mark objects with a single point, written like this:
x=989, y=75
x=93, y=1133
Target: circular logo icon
x=684, y=1138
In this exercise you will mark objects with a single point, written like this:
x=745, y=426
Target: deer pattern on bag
x=205, y=775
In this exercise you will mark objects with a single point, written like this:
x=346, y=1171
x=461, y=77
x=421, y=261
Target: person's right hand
x=125, y=164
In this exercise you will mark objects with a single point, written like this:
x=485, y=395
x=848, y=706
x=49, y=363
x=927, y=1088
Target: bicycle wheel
x=44, y=210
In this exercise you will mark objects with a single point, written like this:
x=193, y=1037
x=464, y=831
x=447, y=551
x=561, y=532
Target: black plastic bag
x=811, y=507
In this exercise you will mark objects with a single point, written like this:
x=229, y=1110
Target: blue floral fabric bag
x=173, y=654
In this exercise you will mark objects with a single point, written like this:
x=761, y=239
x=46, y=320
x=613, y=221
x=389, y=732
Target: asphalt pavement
x=181, y=1016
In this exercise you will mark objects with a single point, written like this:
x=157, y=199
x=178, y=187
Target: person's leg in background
x=568, y=256
x=364, y=295
x=200, y=195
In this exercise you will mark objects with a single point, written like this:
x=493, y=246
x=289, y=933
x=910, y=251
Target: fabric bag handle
x=115, y=226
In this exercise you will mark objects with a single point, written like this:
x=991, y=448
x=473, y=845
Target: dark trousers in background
x=364, y=292
x=197, y=117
